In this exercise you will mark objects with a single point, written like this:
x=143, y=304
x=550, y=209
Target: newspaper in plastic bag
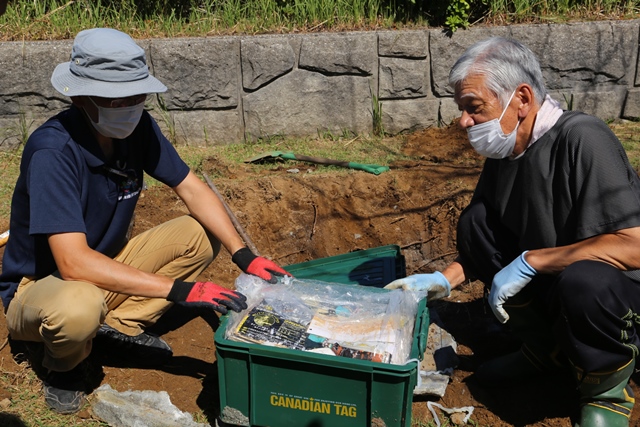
x=353, y=321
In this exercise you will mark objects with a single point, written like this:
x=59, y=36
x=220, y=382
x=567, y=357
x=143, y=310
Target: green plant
x=167, y=118
x=568, y=100
x=457, y=15
x=348, y=133
x=24, y=128
x=376, y=113
x=326, y=134
x=20, y=132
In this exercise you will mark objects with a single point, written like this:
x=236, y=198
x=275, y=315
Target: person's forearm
x=208, y=209
x=454, y=274
x=87, y=265
x=620, y=249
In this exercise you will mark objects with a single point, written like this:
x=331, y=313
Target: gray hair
x=506, y=63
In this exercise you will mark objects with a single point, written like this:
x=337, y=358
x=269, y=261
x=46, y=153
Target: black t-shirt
x=66, y=186
x=575, y=182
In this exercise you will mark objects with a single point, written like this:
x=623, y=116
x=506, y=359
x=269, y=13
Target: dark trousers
x=590, y=311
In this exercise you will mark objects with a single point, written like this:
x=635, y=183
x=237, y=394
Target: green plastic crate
x=369, y=267
x=263, y=386
x=274, y=387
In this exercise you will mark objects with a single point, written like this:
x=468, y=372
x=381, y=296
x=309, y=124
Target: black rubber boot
x=606, y=399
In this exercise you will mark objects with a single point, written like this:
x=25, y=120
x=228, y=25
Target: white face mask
x=117, y=123
x=488, y=139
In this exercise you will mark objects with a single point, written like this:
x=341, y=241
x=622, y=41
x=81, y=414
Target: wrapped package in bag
x=353, y=321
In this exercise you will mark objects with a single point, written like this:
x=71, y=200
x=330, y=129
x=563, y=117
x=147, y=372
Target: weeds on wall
x=376, y=114
x=568, y=99
x=18, y=134
x=167, y=119
x=24, y=128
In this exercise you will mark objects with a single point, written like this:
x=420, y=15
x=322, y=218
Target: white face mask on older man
x=117, y=123
x=488, y=139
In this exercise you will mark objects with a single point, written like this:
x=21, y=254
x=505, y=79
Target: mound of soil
x=296, y=217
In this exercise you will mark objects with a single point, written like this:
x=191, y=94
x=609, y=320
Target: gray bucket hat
x=105, y=63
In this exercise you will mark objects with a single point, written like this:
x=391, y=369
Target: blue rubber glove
x=435, y=284
x=508, y=282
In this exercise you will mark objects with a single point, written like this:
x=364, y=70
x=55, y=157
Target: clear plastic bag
x=331, y=318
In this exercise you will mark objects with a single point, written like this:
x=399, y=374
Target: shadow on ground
x=477, y=331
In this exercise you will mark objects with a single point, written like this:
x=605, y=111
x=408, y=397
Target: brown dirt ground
x=299, y=217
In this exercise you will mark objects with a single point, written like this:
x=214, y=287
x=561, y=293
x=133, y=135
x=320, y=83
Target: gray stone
x=448, y=111
x=444, y=50
x=303, y=102
x=403, y=78
x=408, y=115
x=632, y=105
x=598, y=103
x=605, y=104
x=439, y=360
x=15, y=129
x=404, y=44
x=232, y=417
x=346, y=53
x=606, y=54
x=565, y=98
x=138, y=408
x=566, y=64
x=199, y=73
x=26, y=73
x=204, y=76
x=208, y=127
x=265, y=59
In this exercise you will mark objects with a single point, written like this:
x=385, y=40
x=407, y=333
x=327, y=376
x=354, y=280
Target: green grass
x=561, y=10
x=59, y=19
x=27, y=407
x=9, y=170
x=63, y=19
x=629, y=135
x=345, y=147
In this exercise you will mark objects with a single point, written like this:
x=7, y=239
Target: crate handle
x=422, y=336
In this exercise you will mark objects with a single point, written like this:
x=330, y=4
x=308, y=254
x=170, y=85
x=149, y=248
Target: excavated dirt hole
x=299, y=217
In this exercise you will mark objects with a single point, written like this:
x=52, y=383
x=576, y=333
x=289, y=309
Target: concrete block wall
x=242, y=88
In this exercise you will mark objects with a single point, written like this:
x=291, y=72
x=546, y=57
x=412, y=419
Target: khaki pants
x=66, y=315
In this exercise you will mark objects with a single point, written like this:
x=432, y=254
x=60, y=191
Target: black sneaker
x=144, y=342
x=64, y=392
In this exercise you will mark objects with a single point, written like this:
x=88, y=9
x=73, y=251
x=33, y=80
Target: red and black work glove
x=207, y=295
x=257, y=265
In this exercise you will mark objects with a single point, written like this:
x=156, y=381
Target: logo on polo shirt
x=129, y=184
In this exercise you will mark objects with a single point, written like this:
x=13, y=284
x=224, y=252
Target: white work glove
x=435, y=285
x=508, y=282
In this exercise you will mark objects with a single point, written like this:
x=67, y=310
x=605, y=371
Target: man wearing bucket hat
x=69, y=270
x=552, y=229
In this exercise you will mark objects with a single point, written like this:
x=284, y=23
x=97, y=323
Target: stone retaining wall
x=241, y=88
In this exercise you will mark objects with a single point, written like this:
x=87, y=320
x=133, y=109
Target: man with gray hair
x=69, y=270
x=553, y=229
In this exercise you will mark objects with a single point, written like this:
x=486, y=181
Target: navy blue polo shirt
x=65, y=185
